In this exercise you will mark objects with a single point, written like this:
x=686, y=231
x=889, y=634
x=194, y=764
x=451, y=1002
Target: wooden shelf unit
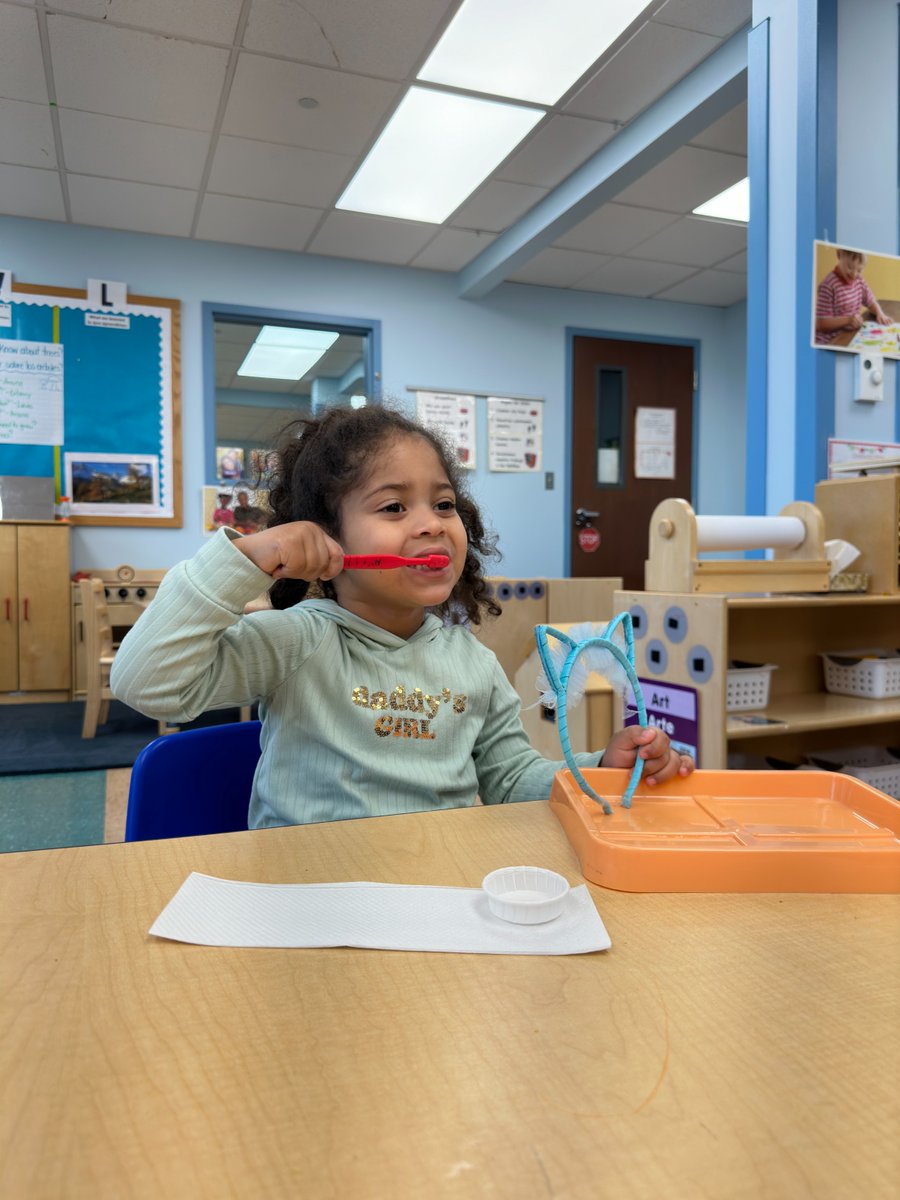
x=791, y=632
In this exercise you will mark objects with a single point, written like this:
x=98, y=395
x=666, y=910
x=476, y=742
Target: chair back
x=194, y=782
x=98, y=639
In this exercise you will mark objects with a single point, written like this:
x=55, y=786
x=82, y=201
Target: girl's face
x=404, y=506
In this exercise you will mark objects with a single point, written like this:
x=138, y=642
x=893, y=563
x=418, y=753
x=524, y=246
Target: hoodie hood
x=365, y=631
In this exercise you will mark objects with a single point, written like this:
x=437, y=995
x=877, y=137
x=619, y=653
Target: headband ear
x=558, y=677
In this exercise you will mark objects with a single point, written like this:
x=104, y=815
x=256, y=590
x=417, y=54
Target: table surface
x=844, y=337
x=727, y=1046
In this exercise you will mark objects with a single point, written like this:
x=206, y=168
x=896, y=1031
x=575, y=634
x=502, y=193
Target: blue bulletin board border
x=121, y=392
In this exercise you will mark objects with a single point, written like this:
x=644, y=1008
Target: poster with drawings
x=515, y=434
x=452, y=415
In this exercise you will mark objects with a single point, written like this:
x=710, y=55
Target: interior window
x=267, y=372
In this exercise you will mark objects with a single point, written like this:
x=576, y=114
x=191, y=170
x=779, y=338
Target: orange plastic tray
x=734, y=831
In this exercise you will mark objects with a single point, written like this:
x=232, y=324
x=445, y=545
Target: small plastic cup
x=526, y=895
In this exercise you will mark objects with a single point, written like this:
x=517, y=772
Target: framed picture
x=855, y=300
x=242, y=508
x=116, y=485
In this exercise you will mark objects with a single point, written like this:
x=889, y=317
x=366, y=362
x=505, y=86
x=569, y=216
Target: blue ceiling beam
x=707, y=93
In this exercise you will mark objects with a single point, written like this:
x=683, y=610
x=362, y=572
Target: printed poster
x=515, y=434
x=452, y=415
x=654, y=443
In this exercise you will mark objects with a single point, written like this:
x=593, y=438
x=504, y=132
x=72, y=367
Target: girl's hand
x=298, y=550
x=661, y=762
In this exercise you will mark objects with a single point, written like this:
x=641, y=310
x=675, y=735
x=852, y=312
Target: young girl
x=374, y=699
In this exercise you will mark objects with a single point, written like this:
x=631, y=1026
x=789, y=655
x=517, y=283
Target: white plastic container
x=747, y=685
x=873, y=764
x=872, y=674
x=525, y=895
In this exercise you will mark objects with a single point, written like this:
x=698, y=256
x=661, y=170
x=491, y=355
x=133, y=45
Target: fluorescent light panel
x=283, y=352
x=526, y=49
x=731, y=205
x=433, y=153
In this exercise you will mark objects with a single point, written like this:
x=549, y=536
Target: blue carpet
x=39, y=738
x=39, y=812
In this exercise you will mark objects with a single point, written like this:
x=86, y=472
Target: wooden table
x=890, y=308
x=727, y=1046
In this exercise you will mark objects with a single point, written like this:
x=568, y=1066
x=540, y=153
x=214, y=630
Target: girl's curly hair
x=318, y=459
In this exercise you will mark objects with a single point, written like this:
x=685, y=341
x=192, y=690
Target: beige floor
x=116, y=804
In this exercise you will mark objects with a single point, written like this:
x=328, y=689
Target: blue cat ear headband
x=603, y=654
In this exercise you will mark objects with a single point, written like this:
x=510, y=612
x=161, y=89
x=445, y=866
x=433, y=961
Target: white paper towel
x=225, y=912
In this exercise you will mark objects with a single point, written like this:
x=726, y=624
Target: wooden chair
x=99, y=653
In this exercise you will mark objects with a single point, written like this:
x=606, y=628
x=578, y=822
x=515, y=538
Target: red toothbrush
x=385, y=562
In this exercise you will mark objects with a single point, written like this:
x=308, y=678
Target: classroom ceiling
x=242, y=121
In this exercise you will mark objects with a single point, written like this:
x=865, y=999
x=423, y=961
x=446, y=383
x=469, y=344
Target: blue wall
x=513, y=341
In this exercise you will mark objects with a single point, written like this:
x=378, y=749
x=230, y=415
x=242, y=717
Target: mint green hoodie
x=357, y=722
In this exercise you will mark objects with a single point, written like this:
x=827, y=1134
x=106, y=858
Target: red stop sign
x=588, y=539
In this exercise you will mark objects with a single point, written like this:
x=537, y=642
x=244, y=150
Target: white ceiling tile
x=21, y=63
x=140, y=207
x=496, y=205
x=719, y=288
x=693, y=241
x=374, y=239
x=615, y=229
x=256, y=223
x=556, y=149
x=655, y=59
x=125, y=73
x=452, y=249
x=631, y=277
x=686, y=179
x=738, y=263
x=31, y=192
x=265, y=171
x=721, y=18
x=557, y=268
x=134, y=150
x=205, y=20
x=386, y=38
x=263, y=104
x=729, y=133
x=26, y=134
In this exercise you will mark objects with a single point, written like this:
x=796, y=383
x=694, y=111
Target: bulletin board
x=115, y=445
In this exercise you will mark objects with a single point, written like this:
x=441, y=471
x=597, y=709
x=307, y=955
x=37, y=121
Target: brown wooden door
x=9, y=610
x=628, y=399
x=45, y=656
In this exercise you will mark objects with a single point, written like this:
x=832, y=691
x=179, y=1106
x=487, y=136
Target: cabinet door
x=44, y=617
x=9, y=610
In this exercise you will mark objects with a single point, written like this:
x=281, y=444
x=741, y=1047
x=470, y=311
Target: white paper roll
x=749, y=533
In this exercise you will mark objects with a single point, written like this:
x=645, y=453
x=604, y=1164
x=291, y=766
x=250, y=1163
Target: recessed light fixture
x=435, y=150
x=308, y=102
x=526, y=50
x=283, y=352
x=731, y=205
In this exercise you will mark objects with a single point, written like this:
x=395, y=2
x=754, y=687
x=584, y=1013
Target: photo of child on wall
x=856, y=300
x=242, y=508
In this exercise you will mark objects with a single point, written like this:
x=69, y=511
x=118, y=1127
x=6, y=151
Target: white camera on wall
x=868, y=377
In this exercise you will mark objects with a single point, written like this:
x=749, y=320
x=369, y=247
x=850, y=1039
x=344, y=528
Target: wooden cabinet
x=35, y=637
x=689, y=640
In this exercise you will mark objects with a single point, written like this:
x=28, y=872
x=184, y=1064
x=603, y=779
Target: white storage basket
x=747, y=685
x=873, y=674
x=872, y=764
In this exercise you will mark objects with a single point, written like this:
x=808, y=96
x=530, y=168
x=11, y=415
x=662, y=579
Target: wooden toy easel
x=677, y=534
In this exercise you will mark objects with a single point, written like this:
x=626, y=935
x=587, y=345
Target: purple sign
x=673, y=709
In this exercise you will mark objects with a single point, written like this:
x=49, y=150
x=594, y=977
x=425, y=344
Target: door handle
x=25, y=608
x=583, y=517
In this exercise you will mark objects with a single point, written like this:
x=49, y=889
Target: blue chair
x=194, y=782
